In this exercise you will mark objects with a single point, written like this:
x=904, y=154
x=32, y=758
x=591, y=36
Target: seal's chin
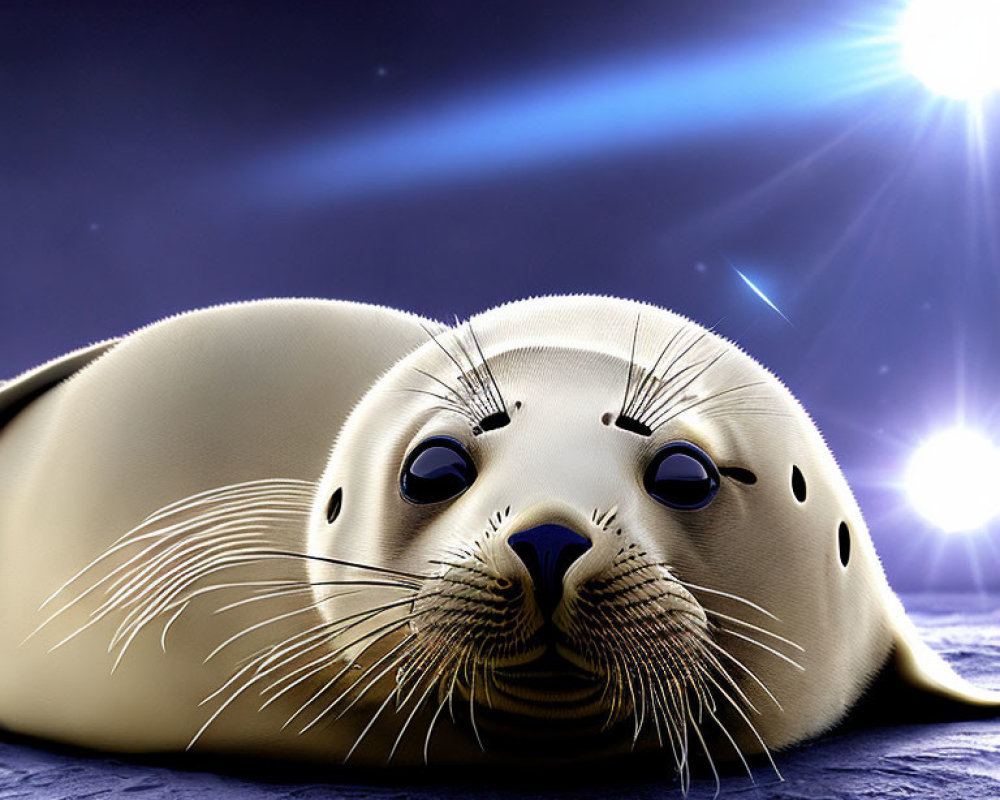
x=548, y=700
x=546, y=690
x=547, y=687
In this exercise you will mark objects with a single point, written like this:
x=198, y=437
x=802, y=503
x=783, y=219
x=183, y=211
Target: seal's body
x=579, y=520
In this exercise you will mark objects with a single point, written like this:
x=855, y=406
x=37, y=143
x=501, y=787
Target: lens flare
x=954, y=480
x=953, y=46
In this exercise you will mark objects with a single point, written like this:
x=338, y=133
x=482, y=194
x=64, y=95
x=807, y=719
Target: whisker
x=736, y=747
x=643, y=390
x=301, y=587
x=342, y=563
x=727, y=595
x=317, y=665
x=654, y=414
x=264, y=623
x=233, y=696
x=753, y=627
x=434, y=719
x=667, y=380
x=631, y=366
x=753, y=730
x=744, y=668
x=170, y=622
x=672, y=414
x=412, y=715
x=446, y=404
x=656, y=399
x=392, y=657
x=374, y=636
x=692, y=723
x=502, y=405
x=763, y=646
x=472, y=712
x=488, y=398
x=368, y=727
x=303, y=490
x=474, y=397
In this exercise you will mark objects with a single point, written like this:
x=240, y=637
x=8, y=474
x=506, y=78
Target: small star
x=700, y=267
x=883, y=369
x=381, y=72
x=94, y=227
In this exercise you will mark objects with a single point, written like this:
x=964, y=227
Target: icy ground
x=959, y=761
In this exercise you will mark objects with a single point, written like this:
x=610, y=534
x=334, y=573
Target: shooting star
x=760, y=294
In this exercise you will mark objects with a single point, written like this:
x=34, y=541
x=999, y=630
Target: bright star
x=953, y=46
x=953, y=480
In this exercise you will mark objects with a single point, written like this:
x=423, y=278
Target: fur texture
x=187, y=561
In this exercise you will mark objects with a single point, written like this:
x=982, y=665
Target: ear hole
x=844, y=537
x=798, y=484
x=333, y=507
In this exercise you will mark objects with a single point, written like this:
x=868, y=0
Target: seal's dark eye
x=439, y=468
x=681, y=476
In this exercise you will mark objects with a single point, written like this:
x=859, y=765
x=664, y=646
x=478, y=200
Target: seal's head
x=593, y=521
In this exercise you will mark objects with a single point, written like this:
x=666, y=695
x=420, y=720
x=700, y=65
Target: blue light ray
x=562, y=117
x=760, y=294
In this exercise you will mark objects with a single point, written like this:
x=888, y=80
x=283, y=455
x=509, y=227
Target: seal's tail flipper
x=925, y=685
x=923, y=669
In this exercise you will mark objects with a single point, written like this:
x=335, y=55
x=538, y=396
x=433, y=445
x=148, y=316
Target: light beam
x=570, y=114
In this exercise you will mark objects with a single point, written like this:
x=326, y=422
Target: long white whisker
x=416, y=708
x=434, y=719
x=729, y=596
x=170, y=622
x=763, y=646
x=130, y=537
x=744, y=668
x=753, y=627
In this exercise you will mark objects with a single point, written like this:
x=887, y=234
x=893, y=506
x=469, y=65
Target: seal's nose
x=548, y=551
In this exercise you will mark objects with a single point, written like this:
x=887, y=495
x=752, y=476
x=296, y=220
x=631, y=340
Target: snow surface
x=959, y=760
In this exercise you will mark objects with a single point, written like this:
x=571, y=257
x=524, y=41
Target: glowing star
x=760, y=294
x=953, y=46
x=953, y=480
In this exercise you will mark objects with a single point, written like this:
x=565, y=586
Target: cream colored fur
x=259, y=391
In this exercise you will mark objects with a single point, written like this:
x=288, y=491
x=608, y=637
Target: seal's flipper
x=925, y=672
x=916, y=685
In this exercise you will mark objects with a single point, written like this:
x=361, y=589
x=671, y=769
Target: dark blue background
x=426, y=155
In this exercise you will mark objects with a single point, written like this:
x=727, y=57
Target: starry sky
x=444, y=156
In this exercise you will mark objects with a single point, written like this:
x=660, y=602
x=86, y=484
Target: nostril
x=548, y=551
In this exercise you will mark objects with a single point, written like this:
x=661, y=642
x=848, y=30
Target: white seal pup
x=570, y=526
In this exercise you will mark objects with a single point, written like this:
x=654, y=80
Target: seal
x=569, y=527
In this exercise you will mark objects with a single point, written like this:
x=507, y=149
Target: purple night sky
x=445, y=156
